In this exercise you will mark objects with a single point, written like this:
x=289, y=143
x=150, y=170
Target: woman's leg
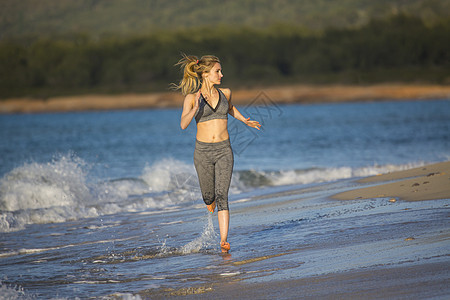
x=224, y=222
x=205, y=173
x=224, y=170
x=214, y=169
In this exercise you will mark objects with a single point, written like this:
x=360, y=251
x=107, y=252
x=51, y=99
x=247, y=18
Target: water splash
x=8, y=292
x=207, y=240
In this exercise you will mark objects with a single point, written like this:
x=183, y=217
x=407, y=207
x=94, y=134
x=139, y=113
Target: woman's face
x=215, y=74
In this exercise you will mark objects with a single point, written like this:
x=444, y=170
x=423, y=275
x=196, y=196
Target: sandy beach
x=430, y=182
x=277, y=94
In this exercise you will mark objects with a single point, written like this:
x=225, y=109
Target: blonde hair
x=193, y=68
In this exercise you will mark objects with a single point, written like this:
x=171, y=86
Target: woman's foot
x=225, y=246
x=211, y=207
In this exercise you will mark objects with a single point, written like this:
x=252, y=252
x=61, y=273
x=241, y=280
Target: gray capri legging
x=214, y=165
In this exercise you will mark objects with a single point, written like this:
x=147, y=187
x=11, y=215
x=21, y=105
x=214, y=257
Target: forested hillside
x=255, y=48
x=130, y=17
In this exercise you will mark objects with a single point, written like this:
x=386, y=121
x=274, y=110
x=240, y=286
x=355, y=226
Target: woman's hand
x=190, y=107
x=196, y=101
x=253, y=124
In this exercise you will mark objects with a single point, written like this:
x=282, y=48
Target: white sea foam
x=124, y=296
x=43, y=193
x=169, y=174
x=36, y=186
x=63, y=190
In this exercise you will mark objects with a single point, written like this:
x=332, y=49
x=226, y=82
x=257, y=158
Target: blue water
x=108, y=203
x=293, y=137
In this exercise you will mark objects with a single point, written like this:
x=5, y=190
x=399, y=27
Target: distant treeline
x=400, y=49
x=98, y=17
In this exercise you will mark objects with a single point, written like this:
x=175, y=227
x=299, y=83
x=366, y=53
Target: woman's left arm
x=232, y=110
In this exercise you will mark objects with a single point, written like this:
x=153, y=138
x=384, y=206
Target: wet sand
x=431, y=182
x=276, y=94
x=410, y=282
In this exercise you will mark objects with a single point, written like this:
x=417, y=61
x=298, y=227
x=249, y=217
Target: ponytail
x=193, y=68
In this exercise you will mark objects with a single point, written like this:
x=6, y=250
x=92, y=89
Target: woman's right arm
x=190, y=106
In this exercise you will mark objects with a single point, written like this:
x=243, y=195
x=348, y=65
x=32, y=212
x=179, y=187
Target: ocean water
x=107, y=204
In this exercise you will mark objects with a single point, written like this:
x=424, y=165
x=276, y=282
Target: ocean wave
x=63, y=188
x=253, y=178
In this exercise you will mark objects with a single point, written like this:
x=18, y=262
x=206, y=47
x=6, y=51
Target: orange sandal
x=225, y=247
x=211, y=207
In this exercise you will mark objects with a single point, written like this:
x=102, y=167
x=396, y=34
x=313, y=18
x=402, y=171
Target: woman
x=213, y=157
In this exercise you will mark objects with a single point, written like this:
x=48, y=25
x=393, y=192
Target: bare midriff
x=212, y=131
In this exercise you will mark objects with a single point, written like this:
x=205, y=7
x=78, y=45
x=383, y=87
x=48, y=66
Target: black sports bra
x=205, y=112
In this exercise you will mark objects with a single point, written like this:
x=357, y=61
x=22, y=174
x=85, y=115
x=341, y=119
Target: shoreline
x=289, y=94
x=372, y=283
x=430, y=182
